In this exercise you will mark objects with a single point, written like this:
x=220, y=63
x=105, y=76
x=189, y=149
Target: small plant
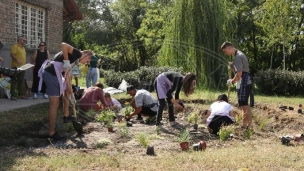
x=238, y=119
x=225, y=132
x=263, y=124
x=248, y=133
x=106, y=116
x=70, y=127
x=110, y=124
x=91, y=112
x=194, y=118
x=102, y=143
x=184, y=136
x=128, y=109
x=143, y=139
x=122, y=129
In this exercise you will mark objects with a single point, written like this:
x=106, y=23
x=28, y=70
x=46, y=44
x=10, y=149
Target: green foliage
x=194, y=117
x=263, y=124
x=193, y=40
x=238, y=119
x=184, y=136
x=122, y=129
x=106, y=116
x=128, y=109
x=280, y=82
x=248, y=133
x=140, y=78
x=225, y=132
x=143, y=139
x=103, y=143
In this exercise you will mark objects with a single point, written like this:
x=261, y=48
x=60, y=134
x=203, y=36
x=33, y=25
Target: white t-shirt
x=145, y=99
x=220, y=109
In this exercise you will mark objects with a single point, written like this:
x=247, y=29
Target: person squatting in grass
x=143, y=102
x=242, y=72
x=57, y=84
x=219, y=114
x=165, y=84
x=91, y=97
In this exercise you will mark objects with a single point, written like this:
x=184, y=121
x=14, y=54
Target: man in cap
x=143, y=102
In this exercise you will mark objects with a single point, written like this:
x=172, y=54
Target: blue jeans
x=91, y=77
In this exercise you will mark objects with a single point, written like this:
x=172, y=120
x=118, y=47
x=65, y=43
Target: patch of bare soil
x=276, y=123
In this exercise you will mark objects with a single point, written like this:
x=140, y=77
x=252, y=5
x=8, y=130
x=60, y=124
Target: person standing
x=57, y=85
x=18, y=56
x=39, y=57
x=92, y=74
x=165, y=84
x=242, y=74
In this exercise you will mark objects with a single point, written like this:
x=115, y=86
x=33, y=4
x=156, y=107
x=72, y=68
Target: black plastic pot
x=195, y=126
x=129, y=124
x=299, y=110
x=150, y=150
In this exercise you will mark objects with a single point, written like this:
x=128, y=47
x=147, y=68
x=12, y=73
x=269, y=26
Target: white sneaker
x=35, y=96
x=45, y=96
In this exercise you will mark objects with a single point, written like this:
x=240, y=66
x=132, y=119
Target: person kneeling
x=219, y=114
x=143, y=102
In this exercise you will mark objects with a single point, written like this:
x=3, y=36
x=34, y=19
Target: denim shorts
x=52, y=84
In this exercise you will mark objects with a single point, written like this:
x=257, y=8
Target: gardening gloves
x=229, y=82
x=66, y=65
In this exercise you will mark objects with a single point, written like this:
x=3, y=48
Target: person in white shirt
x=219, y=114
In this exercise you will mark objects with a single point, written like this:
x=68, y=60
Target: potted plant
x=128, y=110
x=106, y=116
x=194, y=118
x=184, y=138
x=110, y=126
x=144, y=140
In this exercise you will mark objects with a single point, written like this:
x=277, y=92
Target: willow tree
x=193, y=39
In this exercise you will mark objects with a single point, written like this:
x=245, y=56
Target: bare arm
x=34, y=57
x=48, y=54
x=237, y=77
x=66, y=49
x=15, y=58
x=1, y=59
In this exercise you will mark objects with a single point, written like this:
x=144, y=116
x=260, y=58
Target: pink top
x=91, y=97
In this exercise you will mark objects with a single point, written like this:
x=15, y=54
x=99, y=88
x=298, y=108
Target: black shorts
x=147, y=111
x=219, y=121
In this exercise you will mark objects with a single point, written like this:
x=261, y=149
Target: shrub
x=280, y=82
x=184, y=136
x=141, y=78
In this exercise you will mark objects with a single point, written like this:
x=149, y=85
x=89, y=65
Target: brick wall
x=53, y=27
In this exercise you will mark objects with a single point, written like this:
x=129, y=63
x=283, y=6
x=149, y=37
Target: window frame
x=30, y=22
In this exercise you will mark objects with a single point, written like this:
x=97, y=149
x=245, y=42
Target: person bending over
x=57, y=84
x=143, y=102
x=219, y=114
x=91, y=97
x=165, y=84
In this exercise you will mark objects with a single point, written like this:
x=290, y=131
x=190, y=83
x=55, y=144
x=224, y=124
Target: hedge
x=140, y=78
x=280, y=82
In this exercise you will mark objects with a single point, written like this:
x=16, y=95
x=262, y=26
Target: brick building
x=36, y=20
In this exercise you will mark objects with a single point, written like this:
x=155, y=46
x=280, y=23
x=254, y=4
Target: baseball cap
x=130, y=87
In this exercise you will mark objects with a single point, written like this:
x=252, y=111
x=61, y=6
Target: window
x=30, y=23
